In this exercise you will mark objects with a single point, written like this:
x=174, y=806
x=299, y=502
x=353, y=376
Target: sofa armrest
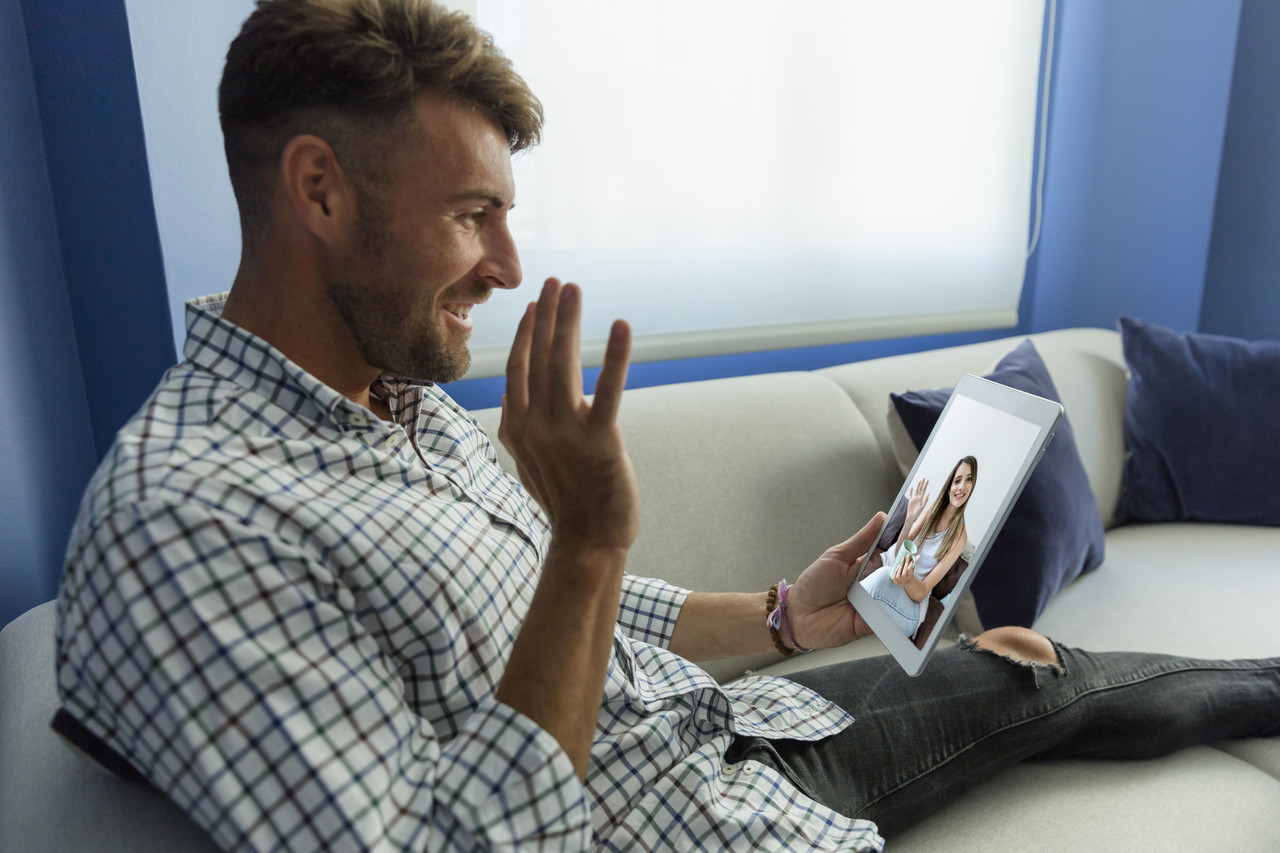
x=51, y=799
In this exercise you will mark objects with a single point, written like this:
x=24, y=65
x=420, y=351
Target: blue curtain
x=84, y=319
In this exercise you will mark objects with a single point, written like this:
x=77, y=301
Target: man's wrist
x=780, y=628
x=586, y=562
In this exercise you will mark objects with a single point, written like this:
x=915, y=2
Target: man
x=302, y=599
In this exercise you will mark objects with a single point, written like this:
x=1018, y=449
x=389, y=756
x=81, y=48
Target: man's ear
x=319, y=193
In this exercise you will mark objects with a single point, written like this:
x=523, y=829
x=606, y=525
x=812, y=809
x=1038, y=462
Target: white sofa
x=746, y=480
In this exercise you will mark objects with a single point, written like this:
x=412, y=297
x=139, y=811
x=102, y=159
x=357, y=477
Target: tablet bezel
x=1045, y=415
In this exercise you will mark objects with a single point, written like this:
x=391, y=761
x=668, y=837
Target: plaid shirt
x=291, y=616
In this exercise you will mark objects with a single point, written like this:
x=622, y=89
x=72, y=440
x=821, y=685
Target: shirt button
x=727, y=770
x=357, y=419
x=750, y=767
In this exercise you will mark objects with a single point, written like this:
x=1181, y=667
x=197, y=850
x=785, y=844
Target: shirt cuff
x=649, y=608
x=508, y=784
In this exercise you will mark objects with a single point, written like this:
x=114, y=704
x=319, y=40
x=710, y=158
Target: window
x=735, y=175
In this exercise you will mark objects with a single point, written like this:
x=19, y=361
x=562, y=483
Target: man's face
x=431, y=247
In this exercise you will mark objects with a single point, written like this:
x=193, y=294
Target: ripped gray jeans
x=918, y=743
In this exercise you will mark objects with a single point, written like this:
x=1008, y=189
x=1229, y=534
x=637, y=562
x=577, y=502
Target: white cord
x=1044, y=127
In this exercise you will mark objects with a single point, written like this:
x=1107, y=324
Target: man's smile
x=459, y=314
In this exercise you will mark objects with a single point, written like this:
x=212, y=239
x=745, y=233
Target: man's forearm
x=818, y=613
x=715, y=625
x=571, y=459
x=556, y=672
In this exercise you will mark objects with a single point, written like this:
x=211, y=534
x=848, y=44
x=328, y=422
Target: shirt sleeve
x=229, y=668
x=648, y=609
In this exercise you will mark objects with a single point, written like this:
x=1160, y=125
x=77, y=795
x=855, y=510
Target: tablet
x=980, y=454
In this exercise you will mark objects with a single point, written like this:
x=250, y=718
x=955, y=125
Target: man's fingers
x=859, y=543
x=613, y=375
x=544, y=327
x=516, y=400
x=545, y=365
x=564, y=370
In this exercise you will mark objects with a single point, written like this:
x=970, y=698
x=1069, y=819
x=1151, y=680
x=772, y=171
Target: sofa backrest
x=747, y=480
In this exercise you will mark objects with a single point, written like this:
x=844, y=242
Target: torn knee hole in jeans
x=1038, y=669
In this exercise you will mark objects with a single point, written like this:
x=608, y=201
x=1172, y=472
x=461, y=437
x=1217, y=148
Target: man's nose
x=500, y=265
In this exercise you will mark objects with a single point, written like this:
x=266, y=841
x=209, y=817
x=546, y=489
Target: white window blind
x=735, y=175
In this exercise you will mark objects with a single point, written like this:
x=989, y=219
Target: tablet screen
x=950, y=508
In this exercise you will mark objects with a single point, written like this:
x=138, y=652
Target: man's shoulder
x=192, y=416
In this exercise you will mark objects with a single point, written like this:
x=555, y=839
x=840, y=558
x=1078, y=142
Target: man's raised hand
x=569, y=453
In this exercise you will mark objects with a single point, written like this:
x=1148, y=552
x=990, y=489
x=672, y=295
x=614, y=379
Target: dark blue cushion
x=1202, y=421
x=1054, y=532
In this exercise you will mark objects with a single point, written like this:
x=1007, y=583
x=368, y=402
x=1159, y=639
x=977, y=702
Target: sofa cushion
x=1195, y=799
x=1165, y=588
x=1201, y=423
x=1054, y=532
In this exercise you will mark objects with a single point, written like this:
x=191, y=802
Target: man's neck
x=282, y=310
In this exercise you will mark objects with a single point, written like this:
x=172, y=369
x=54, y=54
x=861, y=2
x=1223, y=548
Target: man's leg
x=1020, y=644
x=1011, y=695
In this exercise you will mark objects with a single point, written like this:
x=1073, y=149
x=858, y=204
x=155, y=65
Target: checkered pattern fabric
x=291, y=617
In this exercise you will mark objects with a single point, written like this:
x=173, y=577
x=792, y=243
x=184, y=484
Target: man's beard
x=382, y=318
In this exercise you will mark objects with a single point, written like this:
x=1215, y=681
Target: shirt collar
x=230, y=352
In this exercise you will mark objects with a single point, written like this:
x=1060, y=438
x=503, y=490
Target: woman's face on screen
x=961, y=485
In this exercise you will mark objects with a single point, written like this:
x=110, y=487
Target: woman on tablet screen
x=939, y=536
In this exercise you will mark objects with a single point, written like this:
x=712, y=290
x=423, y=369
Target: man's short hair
x=348, y=71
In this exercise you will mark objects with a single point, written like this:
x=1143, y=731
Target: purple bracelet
x=777, y=620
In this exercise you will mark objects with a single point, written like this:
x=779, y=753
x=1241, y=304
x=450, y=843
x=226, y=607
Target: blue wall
x=1139, y=110
x=1139, y=114
x=1242, y=287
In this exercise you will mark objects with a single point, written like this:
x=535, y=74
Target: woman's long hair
x=956, y=528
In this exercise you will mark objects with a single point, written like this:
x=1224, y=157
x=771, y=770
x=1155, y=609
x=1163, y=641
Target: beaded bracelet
x=776, y=620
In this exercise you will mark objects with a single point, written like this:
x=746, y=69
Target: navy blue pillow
x=1054, y=532
x=1202, y=421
